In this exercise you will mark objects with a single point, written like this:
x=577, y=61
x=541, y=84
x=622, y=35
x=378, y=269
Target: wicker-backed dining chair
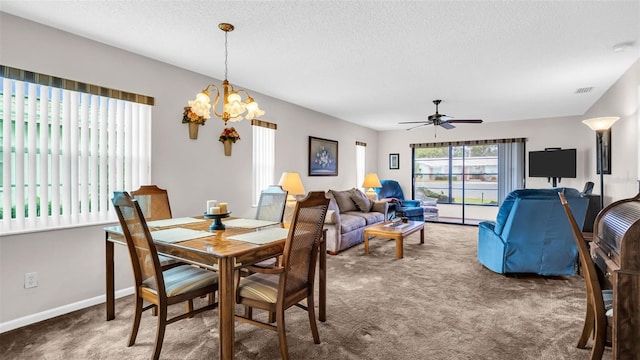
x=272, y=204
x=153, y=201
x=599, y=302
x=159, y=287
x=278, y=288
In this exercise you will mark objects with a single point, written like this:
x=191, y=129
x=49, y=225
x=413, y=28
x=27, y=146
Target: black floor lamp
x=600, y=125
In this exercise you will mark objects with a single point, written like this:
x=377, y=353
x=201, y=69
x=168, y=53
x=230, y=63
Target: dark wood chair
x=599, y=302
x=159, y=287
x=281, y=287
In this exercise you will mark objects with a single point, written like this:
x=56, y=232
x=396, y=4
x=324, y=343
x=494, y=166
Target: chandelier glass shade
x=234, y=108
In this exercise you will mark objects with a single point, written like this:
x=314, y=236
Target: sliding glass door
x=464, y=178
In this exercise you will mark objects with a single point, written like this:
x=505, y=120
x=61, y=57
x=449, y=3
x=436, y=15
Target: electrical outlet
x=30, y=280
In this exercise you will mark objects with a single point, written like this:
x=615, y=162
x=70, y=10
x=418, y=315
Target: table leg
x=366, y=243
x=399, y=247
x=422, y=235
x=110, y=286
x=322, y=304
x=226, y=306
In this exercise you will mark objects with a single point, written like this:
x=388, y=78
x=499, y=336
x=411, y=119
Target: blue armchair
x=410, y=209
x=531, y=234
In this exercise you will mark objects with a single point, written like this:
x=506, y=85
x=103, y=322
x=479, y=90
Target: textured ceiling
x=376, y=63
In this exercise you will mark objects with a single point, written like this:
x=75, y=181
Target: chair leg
x=162, y=324
x=311, y=310
x=137, y=314
x=188, y=307
x=587, y=329
x=272, y=317
x=600, y=337
x=282, y=334
x=248, y=312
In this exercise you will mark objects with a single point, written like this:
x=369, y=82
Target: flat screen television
x=559, y=163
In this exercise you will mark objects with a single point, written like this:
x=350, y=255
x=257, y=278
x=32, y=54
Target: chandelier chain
x=226, y=54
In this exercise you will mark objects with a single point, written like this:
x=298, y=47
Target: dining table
x=190, y=240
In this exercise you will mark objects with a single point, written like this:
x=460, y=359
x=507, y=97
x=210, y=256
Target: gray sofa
x=350, y=211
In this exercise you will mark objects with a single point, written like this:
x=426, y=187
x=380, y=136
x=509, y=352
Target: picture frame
x=606, y=148
x=394, y=161
x=323, y=157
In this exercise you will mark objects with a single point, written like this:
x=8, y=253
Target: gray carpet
x=436, y=303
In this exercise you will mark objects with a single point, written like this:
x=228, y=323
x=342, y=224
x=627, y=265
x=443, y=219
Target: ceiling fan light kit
x=442, y=120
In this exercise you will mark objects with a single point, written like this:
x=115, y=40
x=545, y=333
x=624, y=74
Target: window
x=264, y=156
x=468, y=173
x=361, y=156
x=66, y=146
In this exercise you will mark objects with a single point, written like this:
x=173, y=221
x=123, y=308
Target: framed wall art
x=394, y=161
x=323, y=157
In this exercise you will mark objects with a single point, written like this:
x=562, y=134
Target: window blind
x=64, y=152
x=264, y=146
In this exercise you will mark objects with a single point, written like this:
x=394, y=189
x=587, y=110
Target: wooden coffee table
x=397, y=233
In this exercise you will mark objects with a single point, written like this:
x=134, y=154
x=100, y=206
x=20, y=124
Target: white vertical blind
x=64, y=153
x=263, y=160
x=361, y=156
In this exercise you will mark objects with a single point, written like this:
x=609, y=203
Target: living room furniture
x=597, y=318
x=207, y=252
x=391, y=191
x=153, y=201
x=275, y=289
x=592, y=211
x=161, y=288
x=531, y=233
x=397, y=233
x=346, y=219
x=616, y=252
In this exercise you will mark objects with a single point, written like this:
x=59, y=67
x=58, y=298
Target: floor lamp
x=600, y=125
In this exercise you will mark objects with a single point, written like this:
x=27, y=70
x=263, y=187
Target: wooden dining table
x=219, y=253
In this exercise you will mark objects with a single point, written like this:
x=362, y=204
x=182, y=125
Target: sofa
x=531, y=233
x=349, y=212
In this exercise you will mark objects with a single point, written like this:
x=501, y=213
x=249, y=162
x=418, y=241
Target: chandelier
x=233, y=107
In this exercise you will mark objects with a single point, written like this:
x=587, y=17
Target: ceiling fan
x=438, y=119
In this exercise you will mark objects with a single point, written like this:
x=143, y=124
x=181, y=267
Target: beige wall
x=70, y=263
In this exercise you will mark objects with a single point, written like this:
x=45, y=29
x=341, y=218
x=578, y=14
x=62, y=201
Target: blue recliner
x=531, y=233
x=410, y=209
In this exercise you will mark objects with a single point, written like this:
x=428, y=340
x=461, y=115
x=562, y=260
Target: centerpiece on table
x=227, y=137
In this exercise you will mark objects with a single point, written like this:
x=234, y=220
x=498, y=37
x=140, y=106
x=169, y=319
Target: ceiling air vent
x=584, y=90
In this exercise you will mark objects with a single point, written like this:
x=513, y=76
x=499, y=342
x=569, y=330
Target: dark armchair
x=392, y=192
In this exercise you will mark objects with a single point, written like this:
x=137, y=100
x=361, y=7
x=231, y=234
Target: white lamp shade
x=600, y=123
x=290, y=181
x=371, y=181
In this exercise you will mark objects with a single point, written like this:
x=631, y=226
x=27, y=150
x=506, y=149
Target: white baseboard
x=61, y=310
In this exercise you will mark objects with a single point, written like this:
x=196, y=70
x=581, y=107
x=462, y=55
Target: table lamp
x=371, y=181
x=290, y=182
x=600, y=125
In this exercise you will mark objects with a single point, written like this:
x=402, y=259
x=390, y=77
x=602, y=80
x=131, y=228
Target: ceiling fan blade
x=417, y=126
x=466, y=121
x=446, y=125
x=415, y=122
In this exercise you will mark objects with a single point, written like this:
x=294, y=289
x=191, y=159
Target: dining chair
x=159, y=287
x=272, y=203
x=153, y=201
x=599, y=302
x=280, y=287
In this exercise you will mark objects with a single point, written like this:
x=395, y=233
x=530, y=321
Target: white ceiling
x=376, y=63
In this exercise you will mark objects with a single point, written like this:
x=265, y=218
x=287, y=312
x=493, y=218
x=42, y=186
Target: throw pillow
x=362, y=201
x=343, y=198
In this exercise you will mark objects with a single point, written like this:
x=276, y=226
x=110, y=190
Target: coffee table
x=397, y=233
